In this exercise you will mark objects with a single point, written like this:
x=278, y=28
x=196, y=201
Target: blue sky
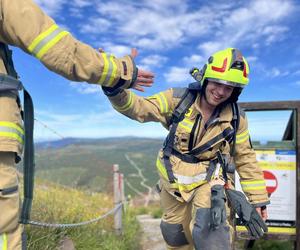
x=171, y=37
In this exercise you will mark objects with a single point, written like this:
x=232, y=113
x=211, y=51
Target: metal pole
x=117, y=199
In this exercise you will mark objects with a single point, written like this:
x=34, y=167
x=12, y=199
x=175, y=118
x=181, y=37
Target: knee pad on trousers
x=9, y=195
x=173, y=234
x=204, y=237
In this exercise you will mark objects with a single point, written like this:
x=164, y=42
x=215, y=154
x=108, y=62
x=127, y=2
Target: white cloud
x=274, y=33
x=194, y=61
x=297, y=72
x=82, y=3
x=275, y=72
x=84, y=88
x=95, y=26
x=251, y=59
x=159, y=24
x=178, y=75
x=153, y=61
x=156, y=25
x=51, y=7
x=117, y=49
x=251, y=24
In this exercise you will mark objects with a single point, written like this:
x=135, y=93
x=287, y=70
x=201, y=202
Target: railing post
x=117, y=199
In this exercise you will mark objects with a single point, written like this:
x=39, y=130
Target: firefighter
x=201, y=127
x=23, y=24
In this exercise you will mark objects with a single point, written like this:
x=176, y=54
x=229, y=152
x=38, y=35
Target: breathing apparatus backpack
x=11, y=83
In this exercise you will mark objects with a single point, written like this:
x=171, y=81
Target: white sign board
x=279, y=168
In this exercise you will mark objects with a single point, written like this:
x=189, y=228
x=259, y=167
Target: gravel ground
x=151, y=237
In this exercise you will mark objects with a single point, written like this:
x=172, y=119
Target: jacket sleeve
x=25, y=25
x=251, y=175
x=157, y=108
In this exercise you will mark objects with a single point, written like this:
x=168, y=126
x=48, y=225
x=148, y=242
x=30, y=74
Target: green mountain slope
x=87, y=163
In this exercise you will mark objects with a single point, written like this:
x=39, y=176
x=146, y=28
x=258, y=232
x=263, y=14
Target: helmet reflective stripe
x=3, y=242
x=222, y=69
x=227, y=67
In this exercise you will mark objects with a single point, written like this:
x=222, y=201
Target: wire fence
x=68, y=225
x=119, y=198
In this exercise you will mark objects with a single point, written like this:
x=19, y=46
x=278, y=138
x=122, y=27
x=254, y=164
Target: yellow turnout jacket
x=191, y=134
x=23, y=24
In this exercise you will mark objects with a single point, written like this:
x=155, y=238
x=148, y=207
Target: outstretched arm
x=25, y=25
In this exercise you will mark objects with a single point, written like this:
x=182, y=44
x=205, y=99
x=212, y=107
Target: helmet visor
x=233, y=84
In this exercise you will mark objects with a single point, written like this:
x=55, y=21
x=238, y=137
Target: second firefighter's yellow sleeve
x=157, y=108
x=25, y=25
x=251, y=175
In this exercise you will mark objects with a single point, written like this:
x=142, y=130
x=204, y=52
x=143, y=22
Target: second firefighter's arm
x=25, y=25
x=251, y=175
x=157, y=108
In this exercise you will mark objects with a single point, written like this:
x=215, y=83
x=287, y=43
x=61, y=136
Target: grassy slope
x=57, y=204
x=87, y=165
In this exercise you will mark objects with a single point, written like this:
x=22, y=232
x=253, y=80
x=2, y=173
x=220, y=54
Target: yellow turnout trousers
x=10, y=229
x=181, y=221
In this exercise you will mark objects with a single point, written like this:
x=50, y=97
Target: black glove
x=111, y=91
x=247, y=213
x=217, y=211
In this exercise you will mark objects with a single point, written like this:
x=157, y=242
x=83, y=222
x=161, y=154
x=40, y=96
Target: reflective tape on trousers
x=3, y=242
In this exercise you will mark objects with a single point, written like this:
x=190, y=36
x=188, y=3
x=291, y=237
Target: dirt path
x=143, y=179
x=151, y=236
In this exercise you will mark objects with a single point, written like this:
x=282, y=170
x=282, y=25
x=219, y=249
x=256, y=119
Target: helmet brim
x=233, y=84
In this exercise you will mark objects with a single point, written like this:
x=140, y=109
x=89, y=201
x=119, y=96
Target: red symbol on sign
x=271, y=182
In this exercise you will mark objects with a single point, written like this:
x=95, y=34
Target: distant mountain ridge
x=87, y=163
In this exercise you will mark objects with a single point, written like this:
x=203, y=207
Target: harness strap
x=185, y=103
x=6, y=55
x=227, y=134
x=167, y=150
x=186, y=157
x=28, y=158
x=8, y=83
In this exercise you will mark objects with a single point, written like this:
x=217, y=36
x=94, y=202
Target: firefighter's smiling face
x=216, y=93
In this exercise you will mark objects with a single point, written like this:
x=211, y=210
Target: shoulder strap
x=6, y=55
x=235, y=124
x=186, y=102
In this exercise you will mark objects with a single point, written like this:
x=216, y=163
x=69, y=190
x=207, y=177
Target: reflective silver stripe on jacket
x=183, y=179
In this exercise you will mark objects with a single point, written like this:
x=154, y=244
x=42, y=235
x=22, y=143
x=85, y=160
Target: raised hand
x=144, y=77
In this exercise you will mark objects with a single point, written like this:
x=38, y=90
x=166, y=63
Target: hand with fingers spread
x=140, y=79
x=144, y=77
